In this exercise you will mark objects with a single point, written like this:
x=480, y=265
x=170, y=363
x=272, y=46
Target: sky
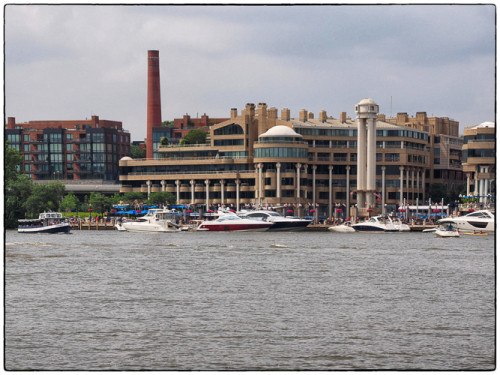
x=69, y=62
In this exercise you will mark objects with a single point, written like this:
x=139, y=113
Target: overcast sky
x=71, y=62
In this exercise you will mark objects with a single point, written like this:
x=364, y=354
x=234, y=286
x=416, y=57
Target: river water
x=113, y=300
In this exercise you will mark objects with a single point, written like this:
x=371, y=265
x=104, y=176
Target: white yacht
x=280, y=223
x=156, y=220
x=342, y=228
x=447, y=230
x=376, y=224
x=402, y=227
x=483, y=220
x=229, y=221
x=47, y=222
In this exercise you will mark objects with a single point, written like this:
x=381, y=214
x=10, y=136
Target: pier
x=87, y=225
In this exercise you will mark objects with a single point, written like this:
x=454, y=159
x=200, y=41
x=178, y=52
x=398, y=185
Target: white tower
x=366, y=115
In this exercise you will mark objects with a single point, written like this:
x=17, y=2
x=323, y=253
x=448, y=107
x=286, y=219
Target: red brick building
x=69, y=150
x=184, y=125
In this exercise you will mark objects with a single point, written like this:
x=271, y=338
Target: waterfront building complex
x=478, y=159
x=445, y=145
x=305, y=163
x=69, y=150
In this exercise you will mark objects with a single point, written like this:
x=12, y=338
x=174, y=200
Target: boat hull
x=134, y=227
x=342, y=229
x=56, y=228
x=289, y=226
x=234, y=227
x=446, y=233
x=369, y=228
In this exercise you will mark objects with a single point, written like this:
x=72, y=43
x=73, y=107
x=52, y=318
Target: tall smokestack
x=154, y=102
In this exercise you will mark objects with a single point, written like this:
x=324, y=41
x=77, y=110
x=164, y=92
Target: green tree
x=17, y=191
x=116, y=198
x=167, y=124
x=161, y=198
x=44, y=197
x=196, y=136
x=438, y=191
x=137, y=153
x=164, y=141
x=12, y=163
x=17, y=187
x=100, y=203
x=133, y=197
x=70, y=202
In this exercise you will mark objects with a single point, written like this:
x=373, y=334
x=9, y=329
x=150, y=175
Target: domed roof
x=367, y=101
x=281, y=131
x=486, y=124
x=126, y=158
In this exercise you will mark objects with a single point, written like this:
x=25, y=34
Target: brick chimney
x=402, y=117
x=310, y=115
x=154, y=102
x=343, y=117
x=234, y=112
x=285, y=114
x=322, y=116
x=303, y=115
x=272, y=113
x=11, y=122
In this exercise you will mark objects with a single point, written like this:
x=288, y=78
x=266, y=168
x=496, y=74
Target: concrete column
x=401, y=170
x=178, y=183
x=278, y=181
x=413, y=184
x=361, y=173
x=418, y=182
x=162, y=182
x=383, y=189
x=238, y=194
x=314, y=167
x=192, y=190
x=347, y=190
x=407, y=185
x=330, y=178
x=207, y=193
x=475, y=183
x=423, y=184
x=259, y=166
x=468, y=184
x=221, y=192
x=486, y=184
x=298, y=165
x=305, y=174
x=148, y=182
x=371, y=158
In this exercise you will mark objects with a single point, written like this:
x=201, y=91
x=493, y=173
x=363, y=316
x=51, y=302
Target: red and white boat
x=229, y=221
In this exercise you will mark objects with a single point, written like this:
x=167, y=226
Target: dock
x=87, y=225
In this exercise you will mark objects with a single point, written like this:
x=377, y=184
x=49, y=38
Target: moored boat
x=448, y=230
x=483, y=220
x=47, y=222
x=376, y=224
x=280, y=223
x=402, y=227
x=342, y=228
x=228, y=222
x=155, y=220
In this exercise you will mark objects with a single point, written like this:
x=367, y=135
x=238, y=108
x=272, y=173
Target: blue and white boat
x=376, y=224
x=47, y=222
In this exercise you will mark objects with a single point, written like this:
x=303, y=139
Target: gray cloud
x=69, y=62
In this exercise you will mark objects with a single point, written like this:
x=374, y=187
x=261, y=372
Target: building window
x=229, y=130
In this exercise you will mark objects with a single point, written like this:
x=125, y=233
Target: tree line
x=26, y=199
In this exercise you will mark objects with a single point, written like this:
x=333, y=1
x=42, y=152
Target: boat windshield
x=227, y=218
x=273, y=214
